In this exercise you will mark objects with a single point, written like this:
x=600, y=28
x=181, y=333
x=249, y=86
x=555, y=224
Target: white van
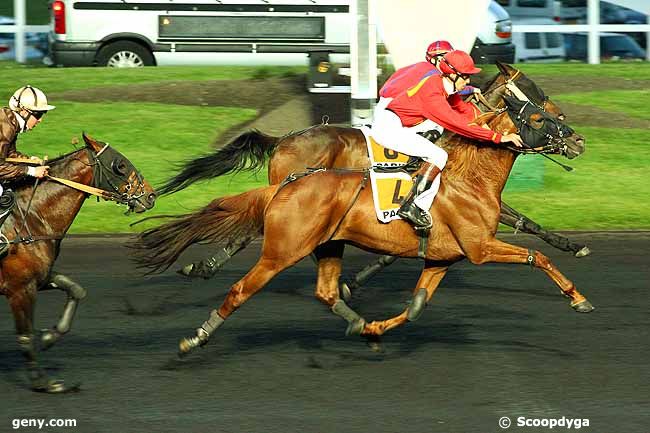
x=538, y=47
x=132, y=33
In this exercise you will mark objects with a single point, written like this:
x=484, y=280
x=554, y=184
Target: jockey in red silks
x=434, y=97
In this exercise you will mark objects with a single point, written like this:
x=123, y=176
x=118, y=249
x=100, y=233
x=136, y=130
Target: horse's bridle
x=110, y=166
x=553, y=145
x=510, y=84
x=102, y=176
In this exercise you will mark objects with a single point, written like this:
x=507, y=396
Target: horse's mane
x=467, y=157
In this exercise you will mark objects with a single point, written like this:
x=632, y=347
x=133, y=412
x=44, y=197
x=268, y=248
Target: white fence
x=19, y=29
x=593, y=28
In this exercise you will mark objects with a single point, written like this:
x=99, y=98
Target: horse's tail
x=248, y=151
x=158, y=248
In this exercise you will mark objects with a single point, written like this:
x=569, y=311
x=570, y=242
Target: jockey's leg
x=419, y=200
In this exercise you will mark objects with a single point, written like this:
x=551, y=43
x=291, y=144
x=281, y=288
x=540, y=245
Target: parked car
x=36, y=43
x=613, y=46
x=494, y=38
x=538, y=47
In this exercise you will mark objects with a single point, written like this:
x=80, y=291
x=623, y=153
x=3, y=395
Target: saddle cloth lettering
x=388, y=189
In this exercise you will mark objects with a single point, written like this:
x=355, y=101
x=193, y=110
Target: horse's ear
x=505, y=69
x=91, y=142
x=513, y=102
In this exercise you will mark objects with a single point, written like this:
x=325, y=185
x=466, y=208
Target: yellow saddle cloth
x=388, y=189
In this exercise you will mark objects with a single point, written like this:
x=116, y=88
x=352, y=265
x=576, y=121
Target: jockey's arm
x=8, y=170
x=439, y=110
x=468, y=110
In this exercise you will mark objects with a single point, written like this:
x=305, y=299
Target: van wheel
x=124, y=54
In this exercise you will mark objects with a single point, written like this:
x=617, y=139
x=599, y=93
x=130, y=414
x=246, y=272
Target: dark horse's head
x=511, y=81
x=114, y=173
x=542, y=132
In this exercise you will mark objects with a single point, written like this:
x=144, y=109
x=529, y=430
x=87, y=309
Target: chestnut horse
x=329, y=147
x=323, y=211
x=43, y=214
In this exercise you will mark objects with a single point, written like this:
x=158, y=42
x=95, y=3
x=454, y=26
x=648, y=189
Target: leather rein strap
x=72, y=184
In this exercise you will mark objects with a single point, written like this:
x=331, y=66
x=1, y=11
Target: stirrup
x=420, y=219
x=4, y=246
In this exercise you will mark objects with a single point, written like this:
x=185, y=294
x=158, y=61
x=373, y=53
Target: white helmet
x=29, y=98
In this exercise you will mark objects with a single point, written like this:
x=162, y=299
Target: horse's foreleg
x=364, y=275
x=495, y=251
x=75, y=293
x=22, y=307
x=239, y=293
x=520, y=222
x=207, y=268
x=427, y=284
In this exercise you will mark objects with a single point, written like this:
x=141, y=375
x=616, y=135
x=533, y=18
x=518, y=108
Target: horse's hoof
x=48, y=338
x=186, y=270
x=56, y=387
x=185, y=346
x=582, y=252
x=374, y=343
x=355, y=327
x=346, y=293
x=583, y=306
x=417, y=305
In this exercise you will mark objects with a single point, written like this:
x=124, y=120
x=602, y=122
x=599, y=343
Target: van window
x=553, y=40
x=531, y=3
x=532, y=40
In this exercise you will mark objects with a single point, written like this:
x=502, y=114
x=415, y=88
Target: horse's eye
x=537, y=119
x=119, y=167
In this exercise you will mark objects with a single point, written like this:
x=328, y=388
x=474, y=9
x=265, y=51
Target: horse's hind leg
x=207, y=268
x=364, y=275
x=329, y=257
x=239, y=293
x=22, y=307
x=429, y=280
x=518, y=221
x=75, y=293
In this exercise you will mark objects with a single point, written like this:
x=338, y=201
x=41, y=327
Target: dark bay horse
x=41, y=218
x=338, y=147
x=465, y=214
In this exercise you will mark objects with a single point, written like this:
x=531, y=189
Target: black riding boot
x=420, y=219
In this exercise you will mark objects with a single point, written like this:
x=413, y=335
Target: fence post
x=593, y=40
x=363, y=61
x=19, y=38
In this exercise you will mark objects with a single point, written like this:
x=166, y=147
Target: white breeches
x=387, y=129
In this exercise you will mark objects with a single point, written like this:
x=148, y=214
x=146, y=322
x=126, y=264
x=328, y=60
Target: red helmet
x=458, y=62
x=438, y=48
